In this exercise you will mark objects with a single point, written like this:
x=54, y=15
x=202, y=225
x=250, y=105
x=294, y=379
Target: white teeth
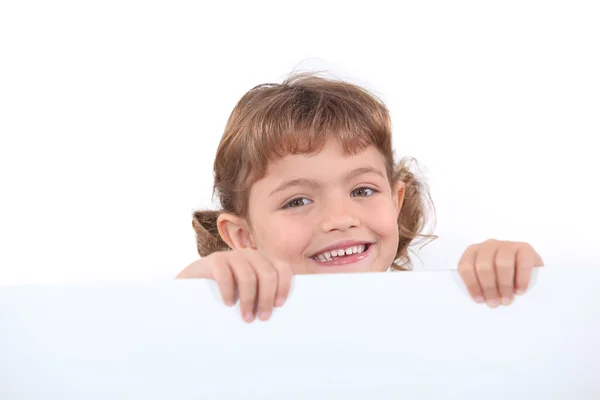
x=328, y=255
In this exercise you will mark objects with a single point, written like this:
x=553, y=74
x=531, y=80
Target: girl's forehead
x=331, y=160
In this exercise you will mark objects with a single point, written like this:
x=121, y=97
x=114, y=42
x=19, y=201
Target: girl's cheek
x=287, y=241
x=384, y=220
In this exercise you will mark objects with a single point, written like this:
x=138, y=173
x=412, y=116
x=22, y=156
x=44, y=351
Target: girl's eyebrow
x=295, y=182
x=311, y=183
x=362, y=171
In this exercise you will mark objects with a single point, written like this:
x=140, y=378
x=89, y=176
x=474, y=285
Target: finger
x=466, y=270
x=486, y=272
x=267, y=284
x=505, y=272
x=222, y=274
x=284, y=283
x=527, y=258
x=246, y=281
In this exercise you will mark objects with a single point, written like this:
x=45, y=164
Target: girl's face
x=327, y=212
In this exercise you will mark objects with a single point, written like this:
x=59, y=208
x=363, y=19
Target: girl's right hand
x=245, y=274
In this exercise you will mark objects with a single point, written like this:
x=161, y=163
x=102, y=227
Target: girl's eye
x=363, y=192
x=298, y=202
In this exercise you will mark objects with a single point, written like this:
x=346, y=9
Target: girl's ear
x=234, y=231
x=398, y=196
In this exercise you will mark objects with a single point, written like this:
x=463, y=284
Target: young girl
x=306, y=177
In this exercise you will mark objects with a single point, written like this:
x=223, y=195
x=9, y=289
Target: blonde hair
x=298, y=116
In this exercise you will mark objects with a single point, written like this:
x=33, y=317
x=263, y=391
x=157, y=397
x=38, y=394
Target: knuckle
x=265, y=302
x=264, y=298
x=247, y=296
x=487, y=284
x=269, y=276
x=504, y=264
x=247, y=276
x=484, y=267
x=488, y=288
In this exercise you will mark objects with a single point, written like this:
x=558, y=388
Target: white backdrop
x=110, y=114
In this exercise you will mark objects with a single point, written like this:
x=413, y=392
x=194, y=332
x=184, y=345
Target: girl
x=306, y=177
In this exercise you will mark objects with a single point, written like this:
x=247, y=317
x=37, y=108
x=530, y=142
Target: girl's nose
x=338, y=217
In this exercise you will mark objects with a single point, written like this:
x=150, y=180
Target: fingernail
x=493, y=303
x=249, y=316
x=279, y=302
x=264, y=315
x=479, y=299
x=520, y=291
x=229, y=302
x=506, y=301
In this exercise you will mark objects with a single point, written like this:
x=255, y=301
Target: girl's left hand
x=494, y=270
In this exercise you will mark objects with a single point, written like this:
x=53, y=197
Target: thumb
x=199, y=269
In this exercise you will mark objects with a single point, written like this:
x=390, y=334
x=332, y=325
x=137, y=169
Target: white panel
x=346, y=336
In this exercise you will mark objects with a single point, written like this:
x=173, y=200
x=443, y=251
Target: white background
x=111, y=112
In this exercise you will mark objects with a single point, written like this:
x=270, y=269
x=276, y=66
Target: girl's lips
x=342, y=245
x=349, y=259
